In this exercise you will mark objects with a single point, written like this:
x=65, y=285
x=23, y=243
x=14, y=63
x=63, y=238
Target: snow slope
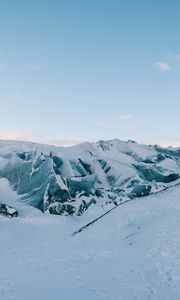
x=131, y=253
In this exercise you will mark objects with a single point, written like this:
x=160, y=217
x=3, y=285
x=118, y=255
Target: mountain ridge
x=70, y=180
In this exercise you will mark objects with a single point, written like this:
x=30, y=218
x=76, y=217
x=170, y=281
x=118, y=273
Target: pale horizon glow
x=27, y=137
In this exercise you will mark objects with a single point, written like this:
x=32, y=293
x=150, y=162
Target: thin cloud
x=177, y=56
x=162, y=66
x=168, y=64
x=120, y=121
x=16, y=134
x=124, y=117
x=173, y=57
x=105, y=124
x=164, y=142
x=22, y=135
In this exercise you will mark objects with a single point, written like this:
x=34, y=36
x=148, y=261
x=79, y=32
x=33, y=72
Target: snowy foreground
x=132, y=253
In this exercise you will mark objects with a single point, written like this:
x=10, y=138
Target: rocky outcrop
x=8, y=211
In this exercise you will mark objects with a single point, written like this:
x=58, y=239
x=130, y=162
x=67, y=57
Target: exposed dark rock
x=85, y=205
x=62, y=209
x=8, y=211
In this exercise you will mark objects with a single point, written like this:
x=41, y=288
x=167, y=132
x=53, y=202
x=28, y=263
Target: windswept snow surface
x=131, y=253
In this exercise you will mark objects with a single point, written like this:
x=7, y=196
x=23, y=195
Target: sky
x=78, y=70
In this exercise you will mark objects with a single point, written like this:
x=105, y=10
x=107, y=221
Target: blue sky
x=89, y=70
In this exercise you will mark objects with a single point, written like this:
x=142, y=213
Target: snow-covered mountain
x=70, y=180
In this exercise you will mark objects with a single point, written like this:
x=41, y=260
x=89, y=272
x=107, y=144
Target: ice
x=55, y=178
